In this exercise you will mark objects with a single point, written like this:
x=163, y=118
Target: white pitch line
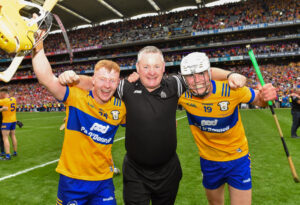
x=38, y=166
x=119, y=139
x=27, y=170
x=181, y=118
x=51, y=162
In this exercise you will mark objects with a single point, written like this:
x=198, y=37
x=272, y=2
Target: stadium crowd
x=31, y=96
x=180, y=23
x=221, y=52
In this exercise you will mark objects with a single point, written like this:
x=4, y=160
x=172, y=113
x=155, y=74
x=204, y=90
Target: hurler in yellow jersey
x=216, y=123
x=8, y=122
x=213, y=113
x=92, y=119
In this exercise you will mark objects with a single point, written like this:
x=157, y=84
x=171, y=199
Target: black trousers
x=159, y=185
x=1, y=141
x=296, y=122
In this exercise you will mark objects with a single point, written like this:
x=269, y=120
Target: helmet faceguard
x=193, y=67
x=16, y=31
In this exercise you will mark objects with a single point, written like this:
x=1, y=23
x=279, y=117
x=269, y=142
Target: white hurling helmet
x=194, y=63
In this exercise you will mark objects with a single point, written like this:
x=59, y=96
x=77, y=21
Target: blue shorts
x=78, y=192
x=236, y=173
x=9, y=126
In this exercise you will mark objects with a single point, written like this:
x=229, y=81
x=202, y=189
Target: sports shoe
x=116, y=171
x=295, y=136
x=14, y=154
x=20, y=124
x=5, y=158
x=2, y=154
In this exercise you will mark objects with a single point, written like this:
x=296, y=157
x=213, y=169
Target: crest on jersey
x=115, y=114
x=223, y=105
x=73, y=202
x=163, y=94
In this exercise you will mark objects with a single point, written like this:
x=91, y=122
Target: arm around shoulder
x=235, y=80
x=69, y=77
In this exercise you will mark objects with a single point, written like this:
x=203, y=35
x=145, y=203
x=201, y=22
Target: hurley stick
x=258, y=73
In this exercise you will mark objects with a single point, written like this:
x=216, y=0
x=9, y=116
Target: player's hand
x=267, y=92
x=236, y=80
x=3, y=109
x=68, y=77
x=133, y=77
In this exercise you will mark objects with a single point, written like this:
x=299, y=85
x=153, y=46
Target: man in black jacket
x=151, y=168
x=1, y=140
x=295, y=112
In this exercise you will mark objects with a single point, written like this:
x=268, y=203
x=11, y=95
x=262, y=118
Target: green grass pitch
x=30, y=178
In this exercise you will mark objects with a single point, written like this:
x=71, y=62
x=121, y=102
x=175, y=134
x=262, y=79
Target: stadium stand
x=271, y=27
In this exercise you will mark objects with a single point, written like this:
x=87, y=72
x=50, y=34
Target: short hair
x=149, y=49
x=4, y=90
x=108, y=64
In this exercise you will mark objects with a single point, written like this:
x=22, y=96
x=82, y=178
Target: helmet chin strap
x=202, y=95
x=195, y=92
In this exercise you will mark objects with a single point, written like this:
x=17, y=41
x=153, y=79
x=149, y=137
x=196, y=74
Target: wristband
x=229, y=74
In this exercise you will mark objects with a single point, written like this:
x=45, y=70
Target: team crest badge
x=163, y=94
x=223, y=105
x=115, y=114
x=73, y=202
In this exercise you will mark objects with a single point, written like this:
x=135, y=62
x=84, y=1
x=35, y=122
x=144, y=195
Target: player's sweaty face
x=151, y=68
x=105, y=84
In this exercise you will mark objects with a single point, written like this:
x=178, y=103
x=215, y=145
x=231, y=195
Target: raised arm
x=235, y=80
x=43, y=72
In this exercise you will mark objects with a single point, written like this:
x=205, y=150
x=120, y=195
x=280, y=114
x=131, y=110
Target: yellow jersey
x=89, y=135
x=215, y=121
x=9, y=116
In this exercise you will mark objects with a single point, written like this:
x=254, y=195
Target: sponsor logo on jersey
x=137, y=92
x=209, y=122
x=99, y=128
x=217, y=130
x=191, y=105
x=208, y=125
x=108, y=199
x=92, y=106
